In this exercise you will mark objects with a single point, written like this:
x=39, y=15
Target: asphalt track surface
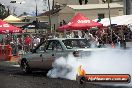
x=12, y=77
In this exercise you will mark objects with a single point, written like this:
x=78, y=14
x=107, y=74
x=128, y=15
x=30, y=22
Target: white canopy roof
x=119, y=20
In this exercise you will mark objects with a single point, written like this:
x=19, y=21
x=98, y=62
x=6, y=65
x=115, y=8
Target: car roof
x=65, y=38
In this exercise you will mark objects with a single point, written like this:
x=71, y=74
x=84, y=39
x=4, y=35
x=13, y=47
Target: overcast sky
x=29, y=6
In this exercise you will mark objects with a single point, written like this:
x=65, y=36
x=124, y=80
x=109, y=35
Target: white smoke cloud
x=104, y=62
x=64, y=68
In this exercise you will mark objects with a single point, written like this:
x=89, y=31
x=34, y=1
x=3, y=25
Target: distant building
x=127, y=7
x=65, y=9
x=77, y=2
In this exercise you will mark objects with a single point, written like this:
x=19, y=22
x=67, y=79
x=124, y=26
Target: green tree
x=4, y=12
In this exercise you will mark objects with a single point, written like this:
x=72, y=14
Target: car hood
x=26, y=55
x=85, y=53
x=89, y=49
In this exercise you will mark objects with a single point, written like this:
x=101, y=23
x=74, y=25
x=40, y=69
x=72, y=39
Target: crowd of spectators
x=119, y=35
x=21, y=42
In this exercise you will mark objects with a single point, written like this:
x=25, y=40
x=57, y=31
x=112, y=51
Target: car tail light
x=76, y=53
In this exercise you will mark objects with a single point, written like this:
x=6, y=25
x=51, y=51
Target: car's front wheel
x=25, y=67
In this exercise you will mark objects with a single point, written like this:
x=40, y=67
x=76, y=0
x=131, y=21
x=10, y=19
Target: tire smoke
x=110, y=61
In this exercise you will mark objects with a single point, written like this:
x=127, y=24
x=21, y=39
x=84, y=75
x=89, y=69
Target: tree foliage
x=4, y=12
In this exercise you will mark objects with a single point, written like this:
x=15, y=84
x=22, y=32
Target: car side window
x=54, y=45
x=41, y=48
x=50, y=46
x=57, y=46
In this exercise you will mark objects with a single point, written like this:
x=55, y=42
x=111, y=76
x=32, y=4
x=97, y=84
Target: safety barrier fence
x=5, y=52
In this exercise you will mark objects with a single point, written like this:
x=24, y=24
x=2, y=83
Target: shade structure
x=12, y=18
x=6, y=28
x=80, y=22
x=119, y=20
x=36, y=25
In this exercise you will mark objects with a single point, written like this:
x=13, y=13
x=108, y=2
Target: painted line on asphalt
x=15, y=65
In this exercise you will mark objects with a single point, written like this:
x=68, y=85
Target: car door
x=58, y=49
x=36, y=59
x=51, y=53
x=48, y=56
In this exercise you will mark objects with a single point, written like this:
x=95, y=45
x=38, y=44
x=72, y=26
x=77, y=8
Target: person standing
x=68, y=35
x=27, y=42
x=76, y=35
x=36, y=41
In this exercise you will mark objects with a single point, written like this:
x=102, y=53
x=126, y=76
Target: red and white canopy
x=80, y=22
x=6, y=28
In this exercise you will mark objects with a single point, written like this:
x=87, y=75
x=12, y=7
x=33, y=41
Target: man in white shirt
x=36, y=41
x=76, y=35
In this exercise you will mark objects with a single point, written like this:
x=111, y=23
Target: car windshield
x=76, y=43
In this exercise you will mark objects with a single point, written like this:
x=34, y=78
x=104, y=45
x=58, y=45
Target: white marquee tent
x=119, y=20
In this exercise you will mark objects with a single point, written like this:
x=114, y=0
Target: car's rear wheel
x=25, y=67
x=80, y=79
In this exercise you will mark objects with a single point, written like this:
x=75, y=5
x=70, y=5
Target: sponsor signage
x=4, y=25
x=99, y=78
x=111, y=78
x=83, y=21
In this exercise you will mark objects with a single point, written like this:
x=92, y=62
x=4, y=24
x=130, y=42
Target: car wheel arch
x=24, y=60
